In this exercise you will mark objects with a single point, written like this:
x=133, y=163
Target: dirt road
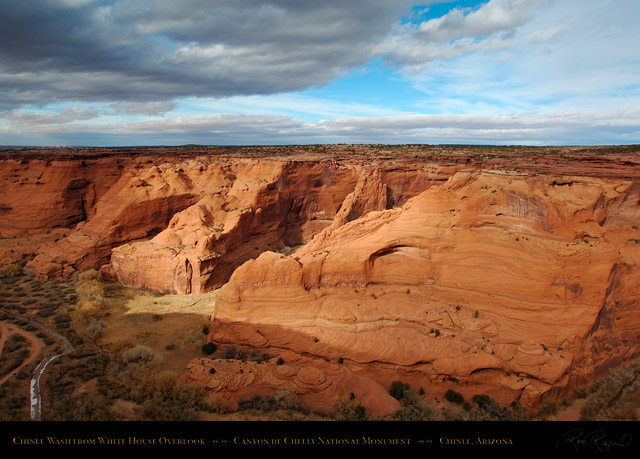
x=36, y=398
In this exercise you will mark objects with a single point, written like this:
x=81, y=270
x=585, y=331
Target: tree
x=397, y=389
x=209, y=348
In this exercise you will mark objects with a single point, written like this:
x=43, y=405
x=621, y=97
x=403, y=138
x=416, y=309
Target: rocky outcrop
x=41, y=194
x=266, y=205
x=510, y=284
x=315, y=383
x=261, y=206
x=183, y=225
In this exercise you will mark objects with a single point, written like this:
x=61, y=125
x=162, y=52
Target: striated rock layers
x=418, y=265
x=249, y=208
x=183, y=225
x=512, y=286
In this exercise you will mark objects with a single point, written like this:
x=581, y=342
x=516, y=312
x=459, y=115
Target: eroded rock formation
x=508, y=285
x=493, y=272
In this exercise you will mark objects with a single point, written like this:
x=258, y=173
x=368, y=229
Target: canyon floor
x=323, y=282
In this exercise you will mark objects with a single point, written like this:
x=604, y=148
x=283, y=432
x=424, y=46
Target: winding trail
x=35, y=346
x=36, y=398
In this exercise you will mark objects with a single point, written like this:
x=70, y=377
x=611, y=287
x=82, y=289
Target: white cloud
x=144, y=108
x=569, y=56
x=52, y=118
x=523, y=128
x=490, y=28
x=161, y=50
x=508, y=71
x=492, y=17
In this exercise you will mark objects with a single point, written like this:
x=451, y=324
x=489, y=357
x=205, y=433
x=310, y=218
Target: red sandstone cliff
x=493, y=283
x=516, y=285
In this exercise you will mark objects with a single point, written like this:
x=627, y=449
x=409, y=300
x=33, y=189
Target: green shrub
x=397, y=389
x=482, y=401
x=454, y=396
x=209, y=348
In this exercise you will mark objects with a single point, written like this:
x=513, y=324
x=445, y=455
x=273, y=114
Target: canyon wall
x=512, y=286
x=508, y=275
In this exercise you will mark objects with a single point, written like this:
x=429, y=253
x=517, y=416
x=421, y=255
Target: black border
x=498, y=439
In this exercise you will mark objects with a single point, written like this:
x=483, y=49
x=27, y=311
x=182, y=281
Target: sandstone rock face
x=508, y=274
x=43, y=194
x=317, y=384
x=244, y=209
x=263, y=205
x=518, y=286
x=183, y=226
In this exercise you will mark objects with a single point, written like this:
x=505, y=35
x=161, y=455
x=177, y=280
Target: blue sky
x=238, y=72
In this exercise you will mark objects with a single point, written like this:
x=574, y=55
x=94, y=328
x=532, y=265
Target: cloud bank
x=160, y=50
x=114, y=72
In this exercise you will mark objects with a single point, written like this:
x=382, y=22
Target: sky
x=243, y=72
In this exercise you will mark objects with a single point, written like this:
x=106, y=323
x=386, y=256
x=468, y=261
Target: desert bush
x=397, y=389
x=349, y=409
x=14, y=402
x=487, y=409
x=581, y=392
x=14, y=342
x=11, y=270
x=482, y=400
x=549, y=409
x=88, y=275
x=163, y=398
x=232, y=352
x=62, y=318
x=219, y=405
x=91, y=289
x=95, y=329
x=614, y=397
x=91, y=307
x=415, y=412
x=209, y=348
x=140, y=356
x=414, y=407
x=454, y=397
x=12, y=361
x=24, y=373
x=289, y=399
